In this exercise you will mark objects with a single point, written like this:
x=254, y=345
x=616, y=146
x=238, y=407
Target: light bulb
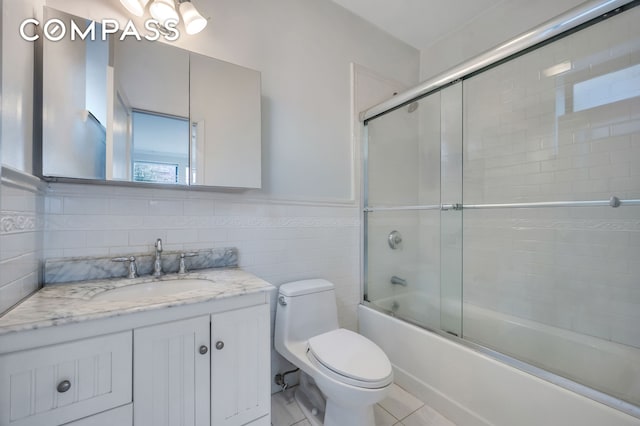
x=193, y=21
x=135, y=7
x=163, y=10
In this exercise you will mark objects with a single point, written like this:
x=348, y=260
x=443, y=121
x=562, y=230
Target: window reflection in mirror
x=159, y=152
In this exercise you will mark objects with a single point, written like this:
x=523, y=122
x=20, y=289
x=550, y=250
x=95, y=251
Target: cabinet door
x=240, y=366
x=171, y=374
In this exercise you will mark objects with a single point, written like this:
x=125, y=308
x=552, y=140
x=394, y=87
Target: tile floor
x=400, y=408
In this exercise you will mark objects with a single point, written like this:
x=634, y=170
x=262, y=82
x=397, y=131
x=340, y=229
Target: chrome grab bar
x=400, y=208
x=611, y=202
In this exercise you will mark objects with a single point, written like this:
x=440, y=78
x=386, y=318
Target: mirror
x=137, y=111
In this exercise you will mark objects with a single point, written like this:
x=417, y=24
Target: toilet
x=343, y=373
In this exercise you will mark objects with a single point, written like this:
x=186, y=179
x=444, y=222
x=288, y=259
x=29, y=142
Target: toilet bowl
x=351, y=372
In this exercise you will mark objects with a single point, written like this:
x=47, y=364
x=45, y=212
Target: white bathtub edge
x=471, y=388
x=438, y=401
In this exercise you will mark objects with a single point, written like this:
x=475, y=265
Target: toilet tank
x=305, y=309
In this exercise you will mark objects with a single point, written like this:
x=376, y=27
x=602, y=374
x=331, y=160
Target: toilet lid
x=352, y=355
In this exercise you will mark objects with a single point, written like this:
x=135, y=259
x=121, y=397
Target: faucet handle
x=133, y=269
x=182, y=269
x=159, y=245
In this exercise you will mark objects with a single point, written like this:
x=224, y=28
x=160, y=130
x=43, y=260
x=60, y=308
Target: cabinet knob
x=219, y=345
x=203, y=349
x=64, y=386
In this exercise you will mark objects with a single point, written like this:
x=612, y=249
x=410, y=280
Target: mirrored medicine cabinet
x=125, y=111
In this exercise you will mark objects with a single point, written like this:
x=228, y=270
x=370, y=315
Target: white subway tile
x=198, y=207
x=54, y=205
x=128, y=206
x=127, y=250
x=66, y=239
x=589, y=160
x=146, y=237
x=83, y=252
x=626, y=128
x=18, y=244
x=166, y=208
x=85, y=206
x=106, y=239
x=10, y=294
x=609, y=171
x=181, y=236
x=18, y=267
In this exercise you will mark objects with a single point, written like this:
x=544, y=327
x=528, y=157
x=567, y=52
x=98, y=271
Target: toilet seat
x=350, y=358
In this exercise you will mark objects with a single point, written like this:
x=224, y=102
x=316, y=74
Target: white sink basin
x=151, y=289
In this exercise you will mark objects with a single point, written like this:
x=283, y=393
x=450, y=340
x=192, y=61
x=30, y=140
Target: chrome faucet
x=398, y=281
x=133, y=270
x=182, y=268
x=157, y=264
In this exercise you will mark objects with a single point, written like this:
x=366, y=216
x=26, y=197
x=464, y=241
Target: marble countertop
x=76, y=302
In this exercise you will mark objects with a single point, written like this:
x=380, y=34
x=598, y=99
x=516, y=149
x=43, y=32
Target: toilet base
x=337, y=415
x=310, y=399
x=314, y=415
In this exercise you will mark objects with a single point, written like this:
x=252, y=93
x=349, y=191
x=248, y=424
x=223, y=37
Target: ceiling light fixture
x=135, y=7
x=165, y=10
x=193, y=21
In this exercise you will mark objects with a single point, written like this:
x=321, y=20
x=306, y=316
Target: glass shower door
x=406, y=227
x=552, y=143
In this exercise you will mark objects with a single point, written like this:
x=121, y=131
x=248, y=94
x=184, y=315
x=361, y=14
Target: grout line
x=397, y=419
x=413, y=412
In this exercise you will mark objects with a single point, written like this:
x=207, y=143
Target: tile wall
x=561, y=123
x=21, y=231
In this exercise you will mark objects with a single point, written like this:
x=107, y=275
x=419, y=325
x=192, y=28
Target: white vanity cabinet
x=218, y=364
x=199, y=364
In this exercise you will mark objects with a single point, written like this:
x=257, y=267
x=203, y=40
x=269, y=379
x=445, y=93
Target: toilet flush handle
x=282, y=301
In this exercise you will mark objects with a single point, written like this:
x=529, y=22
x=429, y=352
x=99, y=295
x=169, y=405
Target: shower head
x=412, y=107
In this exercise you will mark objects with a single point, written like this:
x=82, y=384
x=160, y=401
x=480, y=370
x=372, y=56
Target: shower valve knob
x=394, y=239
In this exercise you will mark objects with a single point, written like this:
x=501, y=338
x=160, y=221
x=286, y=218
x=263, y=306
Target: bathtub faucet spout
x=398, y=281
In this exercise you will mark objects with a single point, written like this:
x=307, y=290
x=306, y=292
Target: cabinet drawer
x=56, y=384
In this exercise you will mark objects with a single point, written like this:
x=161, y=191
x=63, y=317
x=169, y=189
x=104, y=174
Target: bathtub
x=473, y=386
